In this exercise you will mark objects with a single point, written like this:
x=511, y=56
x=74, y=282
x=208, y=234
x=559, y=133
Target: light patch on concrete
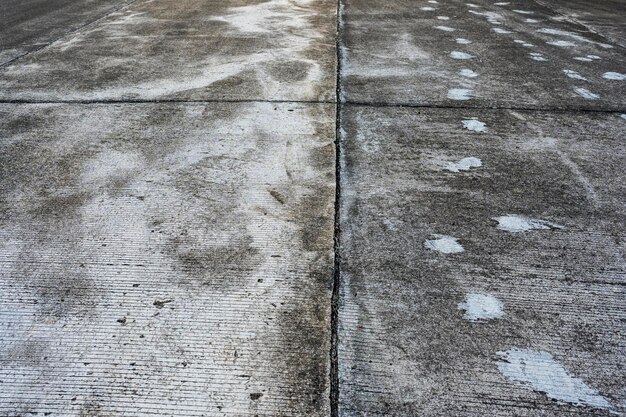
x=544, y=374
x=444, y=244
x=587, y=58
x=623, y=116
x=492, y=17
x=460, y=55
x=573, y=35
x=427, y=8
x=562, y=44
x=536, y=56
x=472, y=5
x=474, y=125
x=574, y=75
x=466, y=72
x=615, y=76
x=524, y=11
x=460, y=94
x=445, y=28
x=516, y=223
x=584, y=93
x=500, y=30
x=529, y=20
x=481, y=307
x=462, y=41
x=443, y=18
x=502, y=3
x=465, y=164
x=433, y=1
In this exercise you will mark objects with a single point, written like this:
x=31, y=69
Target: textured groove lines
x=448, y=274
x=169, y=259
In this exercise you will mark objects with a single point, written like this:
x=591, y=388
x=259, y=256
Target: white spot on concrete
x=445, y=28
x=529, y=20
x=544, y=374
x=492, y=17
x=584, y=93
x=471, y=5
x=562, y=44
x=573, y=35
x=537, y=56
x=573, y=74
x=465, y=164
x=583, y=59
x=616, y=76
x=427, y=8
x=443, y=18
x=475, y=125
x=460, y=94
x=463, y=41
x=444, y=244
x=500, y=30
x=523, y=11
x=433, y=1
x=502, y=3
x=481, y=307
x=460, y=55
x=623, y=116
x=515, y=223
x=466, y=72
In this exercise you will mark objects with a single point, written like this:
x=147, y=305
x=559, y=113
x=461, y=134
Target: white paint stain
x=562, y=44
x=445, y=28
x=616, y=76
x=584, y=93
x=536, y=56
x=523, y=11
x=465, y=164
x=572, y=35
x=481, y=307
x=427, y=8
x=492, y=17
x=587, y=58
x=466, y=72
x=474, y=125
x=444, y=244
x=443, y=18
x=573, y=74
x=515, y=223
x=433, y=1
x=460, y=94
x=502, y=3
x=463, y=41
x=500, y=30
x=471, y=5
x=623, y=116
x=539, y=370
x=460, y=55
x=529, y=20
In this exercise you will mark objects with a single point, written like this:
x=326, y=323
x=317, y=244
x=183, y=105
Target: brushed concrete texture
x=403, y=53
x=166, y=259
x=408, y=346
x=188, y=50
x=28, y=25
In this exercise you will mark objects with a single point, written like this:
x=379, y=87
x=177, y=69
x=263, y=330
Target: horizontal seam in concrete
x=165, y=101
x=441, y=106
x=71, y=32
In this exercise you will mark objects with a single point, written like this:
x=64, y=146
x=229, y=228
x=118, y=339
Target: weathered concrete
x=27, y=25
x=188, y=49
x=407, y=343
x=166, y=259
x=402, y=53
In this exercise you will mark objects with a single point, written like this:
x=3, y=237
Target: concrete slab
x=482, y=263
x=188, y=50
x=512, y=54
x=28, y=25
x=166, y=259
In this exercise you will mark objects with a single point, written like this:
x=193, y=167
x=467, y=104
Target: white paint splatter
x=502, y=3
x=537, y=56
x=616, y=76
x=500, y=30
x=573, y=35
x=471, y=5
x=460, y=55
x=492, y=17
x=443, y=18
x=544, y=374
x=481, y=307
x=445, y=28
x=529, y=20
x=466, y=72
x=433, y=1
x=463, y=41
x=460, y=94
x=584, y=93
x=465, y=164
x=428, y=8
x=474, y=125
x=563, y=44
x=523, y=11
x=444, y=244
x=515, y=223
x=573, y=74
x=582, y=58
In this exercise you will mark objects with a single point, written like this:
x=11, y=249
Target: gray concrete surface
x=172, y=242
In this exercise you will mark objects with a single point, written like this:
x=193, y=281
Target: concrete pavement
x=178, y=238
